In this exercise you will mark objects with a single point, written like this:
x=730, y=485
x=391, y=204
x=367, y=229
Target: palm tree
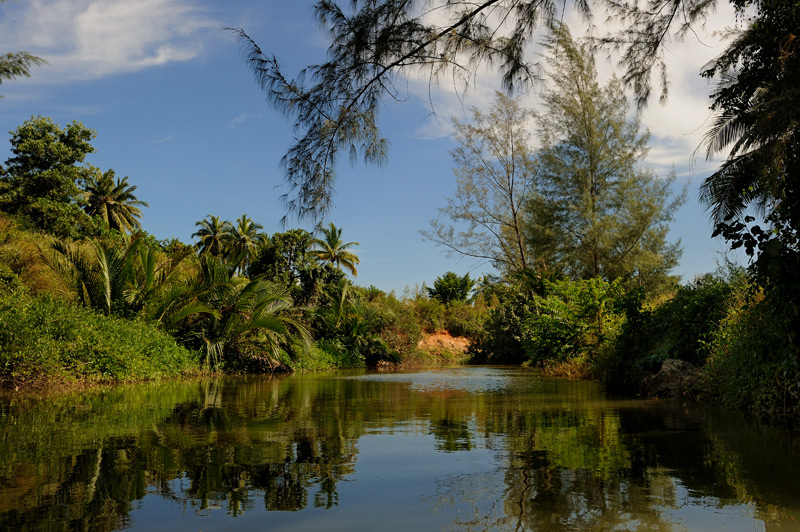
x=114, y=203
x=121, y=275
x=229, y=317
x=758, y=120
x=243, y=240
x=213, y=234
x=333, y=250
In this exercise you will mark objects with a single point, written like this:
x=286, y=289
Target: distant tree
x=42, y=182
x=114, y=202
x=451, y=287
x=242, y=241
x=286, y=259
x=600, y=212
x=495, y=170
x=212, y=235
x=332, y=249
x=283, y=256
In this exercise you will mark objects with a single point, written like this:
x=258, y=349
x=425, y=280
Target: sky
x=177, y=111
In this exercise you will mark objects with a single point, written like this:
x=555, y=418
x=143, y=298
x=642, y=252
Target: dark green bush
x=680, y=327
x=753, y=363
x=572, y=319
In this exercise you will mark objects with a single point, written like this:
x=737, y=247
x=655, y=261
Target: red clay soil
x=443, y=341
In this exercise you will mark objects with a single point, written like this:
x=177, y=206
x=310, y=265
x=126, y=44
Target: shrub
x=679, y=327
x=574, y=318
x=463, y=319
x=753, y=362
x=429, y=313
x=42, y=340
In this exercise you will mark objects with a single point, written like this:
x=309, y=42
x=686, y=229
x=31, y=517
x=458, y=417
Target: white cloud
x=677, y=127
x=242, y=118
x=89, y=39
x=168, y=138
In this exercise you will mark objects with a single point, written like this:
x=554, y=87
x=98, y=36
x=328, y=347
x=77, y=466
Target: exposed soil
x=443, y=341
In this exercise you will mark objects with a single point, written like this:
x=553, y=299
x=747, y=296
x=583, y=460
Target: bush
x=573, y=319
x=394, y=321
x=463, y=319
x=679, y=327
x=429, y=313
x=44, y=340
x=753, y=363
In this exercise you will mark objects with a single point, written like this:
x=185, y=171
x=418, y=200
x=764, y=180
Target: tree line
x=577, y=228
x=81, y=282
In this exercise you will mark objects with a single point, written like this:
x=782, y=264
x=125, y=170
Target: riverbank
x=127, y=308
x=48, y=344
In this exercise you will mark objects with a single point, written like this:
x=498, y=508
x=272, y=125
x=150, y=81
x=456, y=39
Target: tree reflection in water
x=557, y=455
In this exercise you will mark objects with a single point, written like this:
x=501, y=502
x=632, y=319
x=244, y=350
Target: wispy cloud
x=242, y=118
x=165, y=139
x=89, y=39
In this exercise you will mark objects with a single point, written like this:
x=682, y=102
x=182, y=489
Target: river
x=464, y=449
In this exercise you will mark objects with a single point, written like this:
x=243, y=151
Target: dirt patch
x=443, y=342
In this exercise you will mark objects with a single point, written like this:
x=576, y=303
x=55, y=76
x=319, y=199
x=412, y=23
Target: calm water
x=448, y=450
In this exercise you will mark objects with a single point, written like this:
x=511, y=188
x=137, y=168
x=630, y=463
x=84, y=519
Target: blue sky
x=176, y=110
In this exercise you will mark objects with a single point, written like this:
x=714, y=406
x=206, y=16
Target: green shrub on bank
x=393, y=320
x=753, y=363
x=458, y=318
x=45, y=340
x=680, y=327
x=573, y=319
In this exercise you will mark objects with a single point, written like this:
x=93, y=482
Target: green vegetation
x=451, y=288
x=45, y=341
x=576, y=228
x=114, y=202
x=597, y=211
x=331, y=249
x=124, y=306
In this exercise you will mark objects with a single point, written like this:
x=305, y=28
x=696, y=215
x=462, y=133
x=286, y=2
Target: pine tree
x=600, y=212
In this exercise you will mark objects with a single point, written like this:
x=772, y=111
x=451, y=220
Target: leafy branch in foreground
x=14, y=65
x=376, y=44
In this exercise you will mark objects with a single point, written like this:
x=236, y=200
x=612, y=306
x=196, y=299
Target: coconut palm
x=213, y=235
x=119, y=275
x=757, y=119
x=114, y=202
x=228, y=317
x=243, y=240
x=333, y=250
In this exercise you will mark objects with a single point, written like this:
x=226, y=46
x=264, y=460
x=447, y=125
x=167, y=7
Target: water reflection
x=464, y=449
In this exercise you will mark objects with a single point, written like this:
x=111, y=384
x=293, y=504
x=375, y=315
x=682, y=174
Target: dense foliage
x=44, y=340
x=240, y=300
